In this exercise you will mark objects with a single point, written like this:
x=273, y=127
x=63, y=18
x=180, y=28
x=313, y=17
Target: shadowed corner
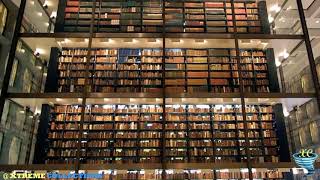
x=306, y=162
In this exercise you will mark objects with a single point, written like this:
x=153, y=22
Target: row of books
x=137, y=16
x=128, y=69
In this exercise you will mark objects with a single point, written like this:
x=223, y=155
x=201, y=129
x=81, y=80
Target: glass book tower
x=164, y=89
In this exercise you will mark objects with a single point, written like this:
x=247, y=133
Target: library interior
x=160, y=89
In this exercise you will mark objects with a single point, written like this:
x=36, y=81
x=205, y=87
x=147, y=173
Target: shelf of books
x=203, y=174
x=123, y=133
x=111, y=70
x=77, y=15
x=185, y=70
x=147, y=16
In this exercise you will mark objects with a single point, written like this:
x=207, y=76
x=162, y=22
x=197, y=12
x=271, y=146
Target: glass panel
x=37, y=58
x=294, y=121
x=303, y=125
x=286, y=61
x=18, y=124
x=8, y=18
x=284, y=17
x=40, y=16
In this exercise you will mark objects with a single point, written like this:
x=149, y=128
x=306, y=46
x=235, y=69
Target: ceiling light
x=278, y=62
x=275, y=8
x=53, y=14
x=285, y=111
x=39, y=51
x=285, y=54
x=39, y=13
x=270, y=18
x=317, y=21
x=32, y=2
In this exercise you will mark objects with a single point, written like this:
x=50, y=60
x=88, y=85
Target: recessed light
x=270, y=18
x=317, y=21
x=275, y=8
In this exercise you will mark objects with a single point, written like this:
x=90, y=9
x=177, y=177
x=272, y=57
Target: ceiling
x=35, y=103
x=35, y=12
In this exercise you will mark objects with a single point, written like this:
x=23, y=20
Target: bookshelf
x=138, y=133
x=147, y=16
x=186, y=70
x=111, y=70
x=203, y=174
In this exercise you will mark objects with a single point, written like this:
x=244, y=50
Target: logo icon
x=305, y=159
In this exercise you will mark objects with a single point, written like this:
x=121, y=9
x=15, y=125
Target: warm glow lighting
x=53, y=14
x=39, y=51
x=270, y=18
x=275, y=8
x=278, y=62
x=285, y=111
x=285, y=54
x=58, y=99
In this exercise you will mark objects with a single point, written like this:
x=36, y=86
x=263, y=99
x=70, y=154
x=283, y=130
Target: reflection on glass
x=28, y=70
x=314, y=130
x=284, y=17
x=3, y=16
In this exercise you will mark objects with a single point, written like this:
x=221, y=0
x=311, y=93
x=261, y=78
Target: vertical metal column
x=309, y=51
x=12, y=54
x=241, y=86
x=87, y=85
x=163, y=156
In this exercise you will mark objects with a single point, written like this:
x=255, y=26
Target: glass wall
x=212, y=82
